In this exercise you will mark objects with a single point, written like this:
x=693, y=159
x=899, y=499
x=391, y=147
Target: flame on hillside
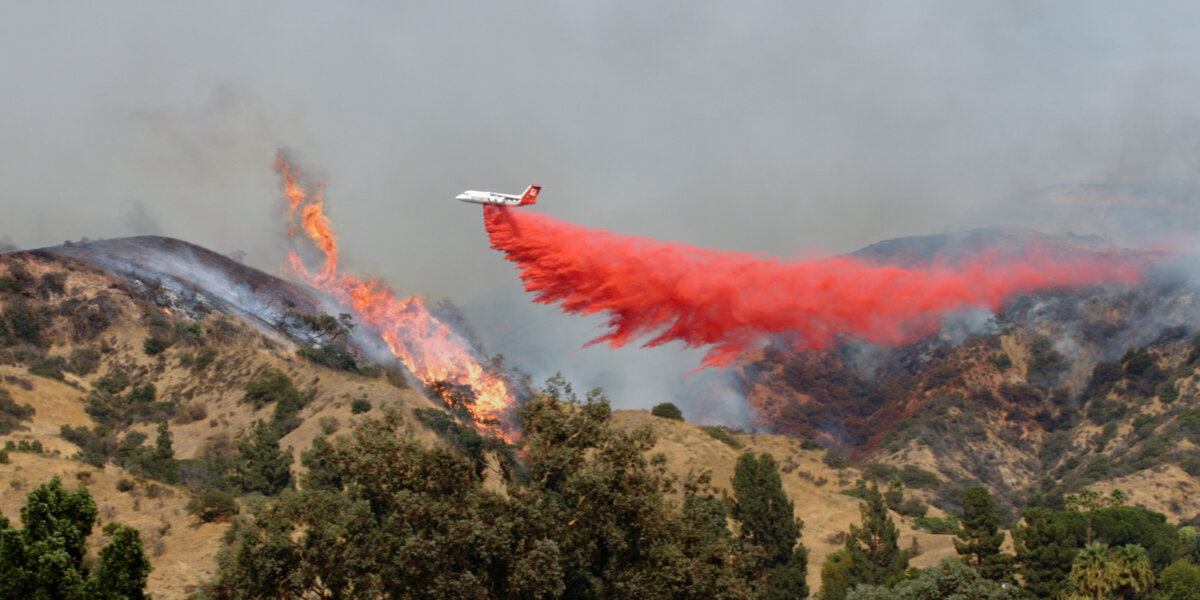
x=426, y=346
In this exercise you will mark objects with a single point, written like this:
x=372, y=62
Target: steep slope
x=813, y=486
x=1058, y=392
x=73, y=324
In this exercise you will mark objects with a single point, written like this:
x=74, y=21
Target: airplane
x=529, y=197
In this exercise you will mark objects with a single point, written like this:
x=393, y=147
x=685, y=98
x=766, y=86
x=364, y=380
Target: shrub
x=204, y=358
x=212, y=506
x=11, y=413
x=83, y=361
x=50, y=367
x=1104, y=376
x=1189, y=424
x=1106, y=436
x=917, y=478
x=190, y=413
x=111, y=385
x=912, y=507
x=1191, y=464
x=142, y=394
x=1099, y=468
x=53, y=284
x=667, y=410
x=464, y=438
x=1150, y=453
x=1143, y=426
x=878, y=471
x=25, y=324
x=155, y=345
x=1137, y=362
x=1168, y=392
x=124, y=485
x=1102, y=412
x=330, y=354
x=273, y=386
x=937, y=525
x=835, y=459
x=4, y=457
x=359, y=406
x=810, y=444
x=721, y=435
x=1044, y=360
x=329, y=425
x=1001, y=361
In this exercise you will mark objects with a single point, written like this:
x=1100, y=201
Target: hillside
x=814, y=486
x=198, y=327
x=71, y=324
x=1058, y=392
x=100, y=342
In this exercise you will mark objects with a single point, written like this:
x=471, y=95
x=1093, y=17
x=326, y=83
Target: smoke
x=763, y=126
x=727, y=301
x=431, y=349
x=139, y=220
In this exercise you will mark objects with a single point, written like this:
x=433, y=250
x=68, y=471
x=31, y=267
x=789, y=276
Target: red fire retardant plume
x=727, y=301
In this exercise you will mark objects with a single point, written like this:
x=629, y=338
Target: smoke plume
x=728, y=301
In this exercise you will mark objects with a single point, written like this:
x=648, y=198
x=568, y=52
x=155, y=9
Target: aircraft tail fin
x=530, y=195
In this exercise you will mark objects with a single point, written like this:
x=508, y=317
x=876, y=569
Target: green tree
x=1179, y=581
x=980, y=538
x=1091, y=573
x=160, y=462
x=123, y=568
x=213, y=505
x=44, y=559
x=949, y=580
x=768, y=521
x=1045, y=552
x=1118, y=497
x=589, y=516
x=261, y=465
x=873, y=554
x=835, y=575
x=1131, y=570
x=667, y=410
x=1121, y=525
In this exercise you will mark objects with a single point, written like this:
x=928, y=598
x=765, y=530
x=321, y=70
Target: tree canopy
x=768, y=521
x=949, y=580
x=980, y=537
x=588, y=515
x=44, y=560
x=872, y=553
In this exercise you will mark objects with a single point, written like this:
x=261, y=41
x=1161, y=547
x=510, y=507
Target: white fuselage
x=489, y=198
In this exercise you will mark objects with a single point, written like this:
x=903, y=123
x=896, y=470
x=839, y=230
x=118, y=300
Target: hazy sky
x=781, y=127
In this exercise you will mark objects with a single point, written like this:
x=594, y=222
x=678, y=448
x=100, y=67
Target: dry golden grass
x=181, y=550
x=810, y=484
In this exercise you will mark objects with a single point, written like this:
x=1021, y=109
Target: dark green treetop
x=980, y=538
x=44, y=560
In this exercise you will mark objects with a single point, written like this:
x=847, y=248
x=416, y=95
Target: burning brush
x=430, y=349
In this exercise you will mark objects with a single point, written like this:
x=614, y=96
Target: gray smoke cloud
x=776, y=127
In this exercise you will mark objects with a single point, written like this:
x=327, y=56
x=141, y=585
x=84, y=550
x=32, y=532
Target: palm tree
x=1131, y=569
x=1118, y=497
x=1091, y=572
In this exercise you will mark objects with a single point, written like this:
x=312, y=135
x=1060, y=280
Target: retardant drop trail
x=727, y=301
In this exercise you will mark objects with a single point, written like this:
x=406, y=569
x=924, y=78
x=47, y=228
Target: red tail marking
x=530, y=196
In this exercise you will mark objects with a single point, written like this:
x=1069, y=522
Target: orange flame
x=426, y=346
x=167, y=311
